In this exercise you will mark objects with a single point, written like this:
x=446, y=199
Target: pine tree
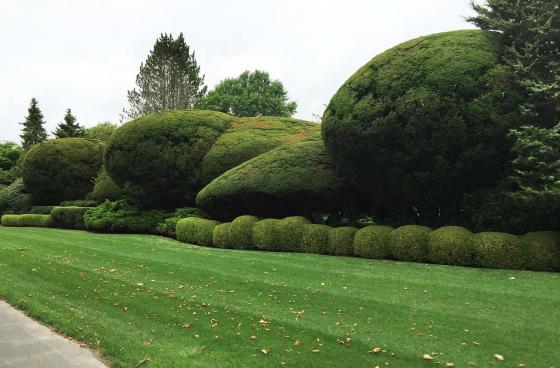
x=169, y=79
x=69, y=128
x=33, y=131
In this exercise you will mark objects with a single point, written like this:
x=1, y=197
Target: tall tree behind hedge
x=33, y=131
x=531, y=31
x=69, y=128
x=250, y=94
x=169, y=79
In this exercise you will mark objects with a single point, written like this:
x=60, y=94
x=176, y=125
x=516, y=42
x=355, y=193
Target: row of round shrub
x=451, y=245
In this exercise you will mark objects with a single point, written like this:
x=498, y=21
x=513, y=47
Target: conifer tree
x=33, y=131
x=69, y=128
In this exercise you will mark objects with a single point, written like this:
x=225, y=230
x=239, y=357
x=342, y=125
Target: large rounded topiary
x=500, y=250
x=373, y=242
x=292, y=179
x=453, y=245
x=424, y=121
x=61, y=169
x=409, y=243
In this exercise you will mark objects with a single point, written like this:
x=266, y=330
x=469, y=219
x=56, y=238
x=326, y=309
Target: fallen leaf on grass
x=427, y=357
x=499, y=357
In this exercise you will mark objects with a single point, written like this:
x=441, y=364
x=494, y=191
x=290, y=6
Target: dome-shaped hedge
x=424, y=121
x=293, y=179
x=61, y=169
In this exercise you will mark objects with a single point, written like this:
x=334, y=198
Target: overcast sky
x=85, y=55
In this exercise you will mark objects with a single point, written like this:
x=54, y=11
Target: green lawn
x=133, y=297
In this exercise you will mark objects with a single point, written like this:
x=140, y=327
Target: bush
x=105, y=188
x=168, y=226
x=290, y=233
x=28, y=220
x=315, y=238
x=196, y=230
x=120, y=216
x=240, y=235
x=373, y=242
x=14, y=198
x=293, y=179
x=78, y=203
x=42, y=210
x=424, y=122
x=220, y=236
x=543, y=249
x=452, y=245
x=410, y=243
x=265, y=234
x=341, y=241
x=69, y=217
x=61, y=169
x=500, y=250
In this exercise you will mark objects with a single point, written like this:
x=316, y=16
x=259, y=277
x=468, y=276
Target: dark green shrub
x=341, y=241
x=265, y=234
x=78, y=203
x=293, y=179
x=543, y=250
x=69, y=217
x=373, y=242
x=157, y=158
x=220, y=235
x=168, y=226
x=61, y=169
x=452, y=245
x=425, y=122
x=500, y=250
x=105, y=188
x=121, y=217
x=27, y=220
x=290, y=233
x=240, y=235
x=195, y=230
x=14, y=198
x=42, y=210
x=315, y=238
x=410, y=243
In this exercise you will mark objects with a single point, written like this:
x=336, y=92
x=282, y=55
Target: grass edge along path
x=152, y=300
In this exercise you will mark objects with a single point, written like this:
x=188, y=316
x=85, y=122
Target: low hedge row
x=28, y=220
x=451, y=245
x=69, y=217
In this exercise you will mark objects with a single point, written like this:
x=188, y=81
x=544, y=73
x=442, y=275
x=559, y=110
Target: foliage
x=102, y=131
x=341, y=241
x=169, y=79
x=167, y=227
x=451, y=245
x=10, y=153
x=27, y=220
x=373, y=242
x=531, y=35
x=250, y=94
x=78, y=203
x=14, y=198
x=42, y=210
x=423, y=123
x=105, y=188
x=220, y=236
x=69, y=128
x=240, y=232
x=33, y=131
x=500, y=250
x=293, y=179
x=69, y=217
x=61, y=169
x=121, y=217
x=196, y=230
x=543, y=250
x=290, y=233
x=409, y=243
x=315, y=238
x=265, y=234
x=156, y=159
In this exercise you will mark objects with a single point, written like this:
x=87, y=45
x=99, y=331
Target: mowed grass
x=153, y=302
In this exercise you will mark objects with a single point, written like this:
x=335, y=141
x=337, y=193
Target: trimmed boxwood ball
x=410, y=243
x=156, y=158
x=452, y=245
x=240, y=235
x=341, y=241
x=293, y=179
x=290, y=233
x=105, y=188
x=315, y=238
x=61, y=169
x=265, y=234
x=500, y=250
x=424, y=122
x=373, y=242
x=220, y=235
x=543, y=249
x=195, y=230
x=27, y=220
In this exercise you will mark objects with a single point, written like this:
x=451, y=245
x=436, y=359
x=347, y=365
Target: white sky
x=85, y=54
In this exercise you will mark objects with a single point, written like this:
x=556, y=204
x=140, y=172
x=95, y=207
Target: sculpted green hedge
x=105, y=188
x=424, y=122
x=61, y=169
x=292, y=179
